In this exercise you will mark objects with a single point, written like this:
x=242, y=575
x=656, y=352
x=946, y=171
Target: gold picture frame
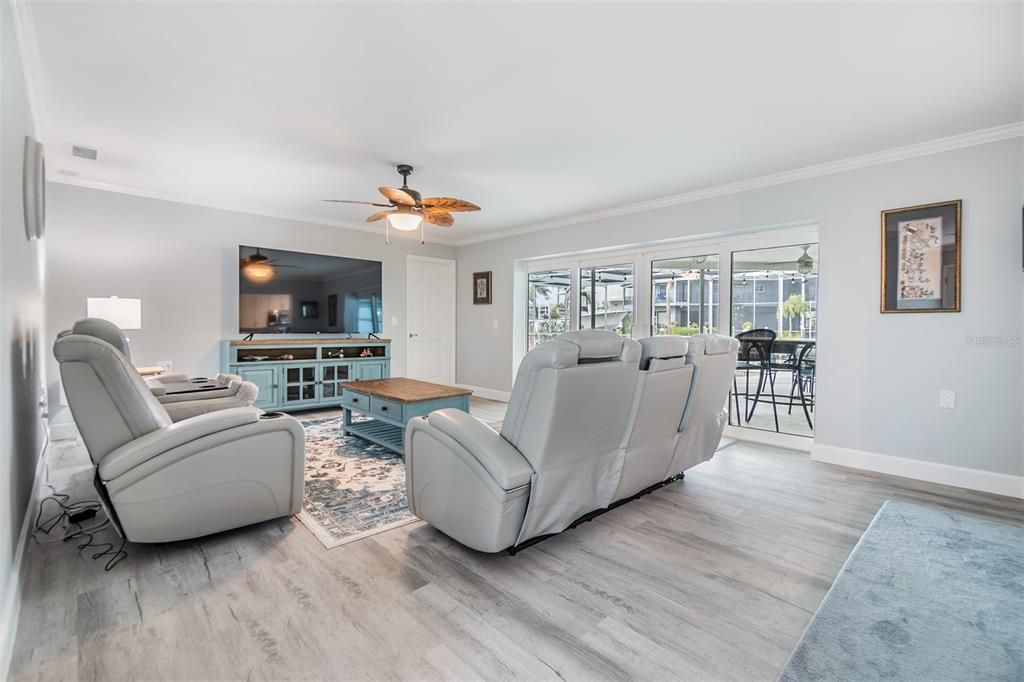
x=921, y=261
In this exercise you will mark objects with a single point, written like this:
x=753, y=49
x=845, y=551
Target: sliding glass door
x=606, y=298
x=764, y=282
x=684, y=295
x=548, y=299
x=775, y=315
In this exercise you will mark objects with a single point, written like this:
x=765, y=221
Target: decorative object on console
x=33, y=188
x=482, y=288
x=408, y=211
x=126, y=313
x=921, y=258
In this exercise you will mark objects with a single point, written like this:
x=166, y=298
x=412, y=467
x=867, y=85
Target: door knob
x=412, y=335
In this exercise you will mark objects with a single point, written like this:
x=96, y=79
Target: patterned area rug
x=354, y=488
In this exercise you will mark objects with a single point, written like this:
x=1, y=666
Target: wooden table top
x=403, y=390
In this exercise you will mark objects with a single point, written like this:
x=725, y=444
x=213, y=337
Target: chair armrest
x=503, y=462
x=136, y=452
x=155, y=387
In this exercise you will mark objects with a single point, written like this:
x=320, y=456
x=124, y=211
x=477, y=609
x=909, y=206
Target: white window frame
x=642, y=257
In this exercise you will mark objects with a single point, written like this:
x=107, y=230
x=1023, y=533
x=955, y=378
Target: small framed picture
x=921, y=258
x=482, y=288
x=309, y=309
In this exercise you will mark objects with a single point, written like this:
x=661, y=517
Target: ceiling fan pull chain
x=423, y=239
x=387, y=232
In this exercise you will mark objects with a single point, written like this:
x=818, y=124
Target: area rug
x=925, y=595
x=354, y=488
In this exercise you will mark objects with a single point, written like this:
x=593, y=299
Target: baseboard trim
x=11, y=606
x=489, y=393
x=778, y=440
x=931, y=472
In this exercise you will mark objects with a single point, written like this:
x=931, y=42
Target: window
x=606, y=298
x=548, y=298
x=684, y=295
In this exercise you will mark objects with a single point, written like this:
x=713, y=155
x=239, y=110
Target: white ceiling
x=533, y=111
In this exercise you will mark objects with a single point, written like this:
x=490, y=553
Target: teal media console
x=305, y=373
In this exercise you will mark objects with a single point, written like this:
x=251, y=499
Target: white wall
x=21, y=332
x=182, y=261
x=879, y=374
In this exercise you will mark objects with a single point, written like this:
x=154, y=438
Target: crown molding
x=193, y=201
x=938, y=146
x=945, y=144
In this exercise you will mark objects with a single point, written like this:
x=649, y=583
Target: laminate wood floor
x=713, y=577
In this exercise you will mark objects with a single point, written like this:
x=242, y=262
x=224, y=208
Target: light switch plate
x=947, y=399
x=394, y=321
x=495, y=324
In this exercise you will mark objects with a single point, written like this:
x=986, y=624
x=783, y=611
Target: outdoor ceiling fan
x=407, y=210
x=259, y=268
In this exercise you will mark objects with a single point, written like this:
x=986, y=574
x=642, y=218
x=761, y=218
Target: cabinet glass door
x=333, y=378
x=300, y=384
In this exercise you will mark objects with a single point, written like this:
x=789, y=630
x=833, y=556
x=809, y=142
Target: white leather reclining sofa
x=593, y=419
x=171, y=390
x=162, y=481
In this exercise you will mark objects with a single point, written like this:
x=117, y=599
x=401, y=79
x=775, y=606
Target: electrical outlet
x=394, y=321
x=495, y=324
x=947, y=399
x=168, y=365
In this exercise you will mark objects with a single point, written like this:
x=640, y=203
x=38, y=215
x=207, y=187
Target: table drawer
x=385, y=408
x=355, y=401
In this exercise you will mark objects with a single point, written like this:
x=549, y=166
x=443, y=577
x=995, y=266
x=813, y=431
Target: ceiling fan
x=259, y=268
x=408, y=210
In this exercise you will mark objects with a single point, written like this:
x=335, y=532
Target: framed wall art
x=921, y=258
x=482, y=288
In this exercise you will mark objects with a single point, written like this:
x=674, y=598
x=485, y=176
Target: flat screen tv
x=287, y=292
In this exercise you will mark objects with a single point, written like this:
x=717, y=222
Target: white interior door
x=430, y=298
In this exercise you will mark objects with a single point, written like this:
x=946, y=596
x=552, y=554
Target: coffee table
x=391, y=403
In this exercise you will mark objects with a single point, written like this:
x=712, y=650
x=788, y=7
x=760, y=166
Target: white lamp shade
x=126, y=313
x=406, y=222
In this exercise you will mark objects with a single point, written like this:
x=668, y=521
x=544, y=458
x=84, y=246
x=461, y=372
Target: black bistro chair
x=804, y=381
x=755, y=354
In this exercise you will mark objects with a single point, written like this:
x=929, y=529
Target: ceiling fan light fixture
x=405, y=222
x=259, y=272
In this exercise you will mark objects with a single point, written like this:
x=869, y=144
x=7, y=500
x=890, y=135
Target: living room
x=569, y=420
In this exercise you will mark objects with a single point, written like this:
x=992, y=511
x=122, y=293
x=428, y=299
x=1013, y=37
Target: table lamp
x=126, y=313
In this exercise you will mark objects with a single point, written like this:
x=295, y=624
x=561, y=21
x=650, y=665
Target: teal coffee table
x=390, y=404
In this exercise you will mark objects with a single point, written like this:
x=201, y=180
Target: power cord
x=69, y=515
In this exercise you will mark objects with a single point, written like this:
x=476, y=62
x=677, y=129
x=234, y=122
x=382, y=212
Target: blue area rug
x=354, y=488
x=925, y=595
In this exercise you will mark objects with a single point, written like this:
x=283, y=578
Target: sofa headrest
x=662, y=348
x=594, y=345
x=712, y=344
x=103, y=330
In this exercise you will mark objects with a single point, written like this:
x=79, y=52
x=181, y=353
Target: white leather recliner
x=593, y=419
x=180, y=395
x=162, y=481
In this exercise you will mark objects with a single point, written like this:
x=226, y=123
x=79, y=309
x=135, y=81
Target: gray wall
x=879, y=374
x=21, y=326
x=182, y=261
